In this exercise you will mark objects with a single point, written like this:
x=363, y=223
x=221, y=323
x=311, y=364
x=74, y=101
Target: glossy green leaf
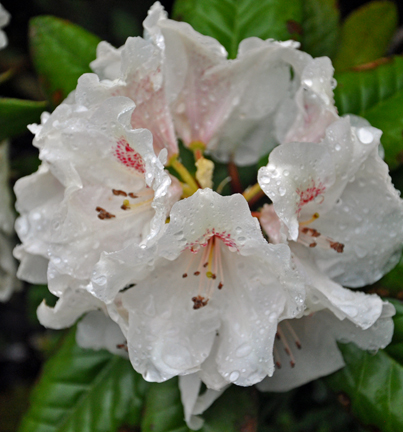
x=234, y=411
x=230, y=21
x=366, y=34
x=373, y=383
x=61, y=53
x=16, y=114
x=318, y=39
x=376, y=93
x=86, y=391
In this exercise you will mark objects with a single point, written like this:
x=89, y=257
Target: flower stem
x=236, y=185
x=184, y=173
x=198, y=148
x=252, y=191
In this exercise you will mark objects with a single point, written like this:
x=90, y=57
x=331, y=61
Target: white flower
x=100, y=187
x=305, y=115
x=335, y=203
x=336, y=198
x=4, y=19
x=181, y=79
x=207, y=297
x=8, y=281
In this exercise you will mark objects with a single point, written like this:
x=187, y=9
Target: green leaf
x=235, y=410
x=61, y=53
x=366, y=34
x=373, y=384
x=16, y=114
x=230, y=21
x=86, y=391
x=376, y=93
x=318, y=39
x=163, y=410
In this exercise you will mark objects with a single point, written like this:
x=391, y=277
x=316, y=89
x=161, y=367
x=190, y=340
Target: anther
x=220, y=285
x=196, y=273
x=132, y=195
x=185, y=275
x=338, y=247
x=103, y=214
x=118, y=192
x=199, y=302
x=122, y=346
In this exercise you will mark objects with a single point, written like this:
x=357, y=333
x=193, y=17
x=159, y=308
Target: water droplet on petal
x=365, y=136
x=243, y=350
x=234, y=375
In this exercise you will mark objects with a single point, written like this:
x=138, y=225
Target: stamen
x=118, y=192
x=103, y=214
x=199, y=302
x=122, y=346
x=338, y=247
x=286, y=346
x=220, y=271
x=210, y=267
x=294, y=335
x=311, y=237
x=276, y=357
x=313, y=218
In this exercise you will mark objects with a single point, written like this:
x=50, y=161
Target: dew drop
x=365, y=136
x=234, y=375
x=243, y=350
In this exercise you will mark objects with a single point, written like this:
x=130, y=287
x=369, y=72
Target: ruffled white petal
x=319, y=355
x=97, y=331
x=166, y=335
x=367, y=219
x=70, y=306
x=193, y=403
x=92, y=159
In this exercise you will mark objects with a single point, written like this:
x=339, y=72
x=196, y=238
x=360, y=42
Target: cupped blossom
x=206, y=298
x=182, y=81
x=100, y=187
x=336, y=199
x=335, y=204
x=306, y=348
x=8, y=281
x=4, y=19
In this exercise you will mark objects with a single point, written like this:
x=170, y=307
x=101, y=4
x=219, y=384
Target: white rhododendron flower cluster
x=181, y=279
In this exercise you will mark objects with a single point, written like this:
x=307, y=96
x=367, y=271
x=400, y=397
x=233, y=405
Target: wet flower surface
x=163, y=269
x=213, y=296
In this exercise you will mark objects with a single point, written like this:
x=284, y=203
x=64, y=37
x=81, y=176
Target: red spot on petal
x=128, y=157
x=309, y=194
